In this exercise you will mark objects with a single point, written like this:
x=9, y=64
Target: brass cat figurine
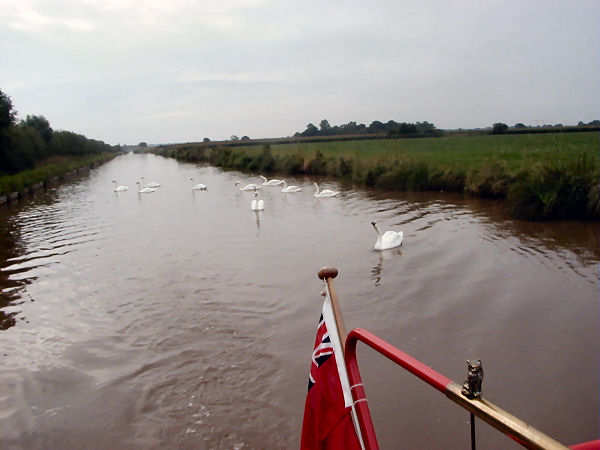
x=472, y=385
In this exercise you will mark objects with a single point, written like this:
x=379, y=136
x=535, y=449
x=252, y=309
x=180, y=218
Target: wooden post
x=328, y=274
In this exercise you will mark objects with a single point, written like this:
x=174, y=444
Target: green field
x=460, y=153
x=541, y=176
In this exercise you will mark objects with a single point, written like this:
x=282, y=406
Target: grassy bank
x=56, y=166
x=541, y=176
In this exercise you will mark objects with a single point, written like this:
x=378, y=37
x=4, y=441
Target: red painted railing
x=505, y=422
x=414, y=366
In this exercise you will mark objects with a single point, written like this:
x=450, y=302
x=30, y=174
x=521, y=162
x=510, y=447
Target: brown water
x=185, y=320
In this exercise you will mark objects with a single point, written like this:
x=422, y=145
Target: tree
x=499, y=128
x=403, y=129
x=26, y=146
x=520, y=125
x=7, y=120
x=143, y=144
x=311, y=130
x=8, y=116
x=325, y=127
x=39, y=123
x=377, y=127
x=245, y=138
x=234, y=137
x=206, y=140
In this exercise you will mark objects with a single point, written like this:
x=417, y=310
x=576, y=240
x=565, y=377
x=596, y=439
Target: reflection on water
x=385, y=255
x=183, y=318
x=258, y=215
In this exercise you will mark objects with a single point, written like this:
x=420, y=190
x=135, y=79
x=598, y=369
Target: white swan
x=199, y=186
x=119, y=188
x=257, y=205
x=272, y=182
x=249, y=187
x=289, y=189
x=389, y=239
x=152, y=184
x=145, y=189
x=325, y=193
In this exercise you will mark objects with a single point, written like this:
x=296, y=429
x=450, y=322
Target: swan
x=145, y=189
x=272, y=182
x=389, y=239
x=249, y=187
x=325, y=193
x=152, y=184
x=119, y=188
x=289, y=189
x=199, y=186
x=257, y=205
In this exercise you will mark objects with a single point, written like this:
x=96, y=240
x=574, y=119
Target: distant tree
x=8, y=115
x=520, y=125
x=580, y=123
x=391, y=124
x=377, y=127
x=499, y=128
x=311, y=130
x=423, y=127
x=234, y=137
x=39, y=123
x=245, y=138
x=594, y=122
x=349, y=128
x=206, y=140
x=325, y=127
x=403, y=129
x=143, y=144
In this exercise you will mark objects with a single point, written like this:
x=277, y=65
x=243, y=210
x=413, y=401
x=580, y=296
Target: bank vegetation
x=32, y=153
x=539, y=176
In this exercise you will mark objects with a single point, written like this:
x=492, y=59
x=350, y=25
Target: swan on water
x=119, y=188
x=389, y=239
x=272, y=182
x=152, y=184
x=289, y=189
x=325, y=193
x=257, y=205
x=145, y=189
x=248, y=187
x=199, y=186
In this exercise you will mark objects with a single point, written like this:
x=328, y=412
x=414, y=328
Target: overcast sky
x=162, y=71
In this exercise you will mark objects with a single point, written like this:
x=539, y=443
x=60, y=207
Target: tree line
x=427, y=129
x=390, y=128
x=32, y=140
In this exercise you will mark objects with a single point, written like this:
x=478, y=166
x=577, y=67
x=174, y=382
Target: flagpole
x=327, y=274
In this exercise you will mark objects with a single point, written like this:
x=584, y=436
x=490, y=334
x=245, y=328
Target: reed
x=541, y=176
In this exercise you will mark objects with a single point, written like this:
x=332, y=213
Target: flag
x=329, y=421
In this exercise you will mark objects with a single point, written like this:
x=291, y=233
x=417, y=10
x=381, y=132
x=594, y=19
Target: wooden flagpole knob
x=327, y=272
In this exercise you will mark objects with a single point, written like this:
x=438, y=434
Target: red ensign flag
x=328, y=420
